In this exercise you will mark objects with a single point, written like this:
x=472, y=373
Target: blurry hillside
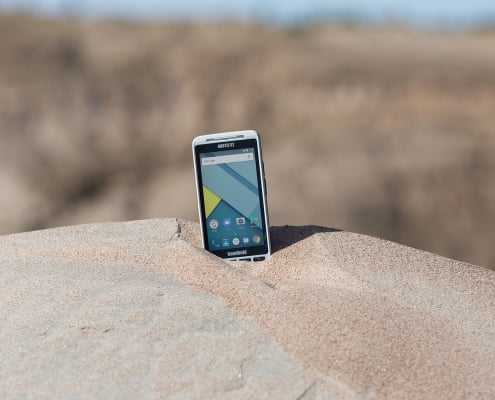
x=381, y=131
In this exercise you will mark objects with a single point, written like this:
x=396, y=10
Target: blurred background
x=375, y=116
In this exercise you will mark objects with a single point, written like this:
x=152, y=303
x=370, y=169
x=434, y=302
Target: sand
x=138, y=309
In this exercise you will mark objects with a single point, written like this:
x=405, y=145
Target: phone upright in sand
x=231, y=191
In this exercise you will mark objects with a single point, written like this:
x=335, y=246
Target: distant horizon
x=420, y=13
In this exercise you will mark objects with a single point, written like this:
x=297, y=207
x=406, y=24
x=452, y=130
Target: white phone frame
x=231, y=137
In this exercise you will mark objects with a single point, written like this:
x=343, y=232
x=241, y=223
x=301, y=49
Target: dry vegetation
x=382, y=131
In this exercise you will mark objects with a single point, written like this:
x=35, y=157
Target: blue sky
x=418, y=12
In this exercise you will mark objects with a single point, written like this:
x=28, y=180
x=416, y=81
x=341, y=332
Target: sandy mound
x=139, y=309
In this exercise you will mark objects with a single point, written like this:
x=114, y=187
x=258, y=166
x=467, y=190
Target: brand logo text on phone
x=224, y=145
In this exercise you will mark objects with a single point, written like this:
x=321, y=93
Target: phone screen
x=231, y=198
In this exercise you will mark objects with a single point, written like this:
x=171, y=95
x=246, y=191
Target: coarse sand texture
x=139, y=310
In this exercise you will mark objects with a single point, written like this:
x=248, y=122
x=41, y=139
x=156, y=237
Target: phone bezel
x=240, y=139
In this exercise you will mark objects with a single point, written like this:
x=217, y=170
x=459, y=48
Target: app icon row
x=255, y=239
x=227, y=222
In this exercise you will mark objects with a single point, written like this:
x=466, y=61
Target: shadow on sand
x=284, y=236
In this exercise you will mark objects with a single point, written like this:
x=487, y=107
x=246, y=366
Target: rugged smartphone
x=231, y=191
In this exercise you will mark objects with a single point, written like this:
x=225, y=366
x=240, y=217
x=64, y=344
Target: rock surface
x=140, y=310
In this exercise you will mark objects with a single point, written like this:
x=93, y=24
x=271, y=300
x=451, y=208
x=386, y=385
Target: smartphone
x=231, y=189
